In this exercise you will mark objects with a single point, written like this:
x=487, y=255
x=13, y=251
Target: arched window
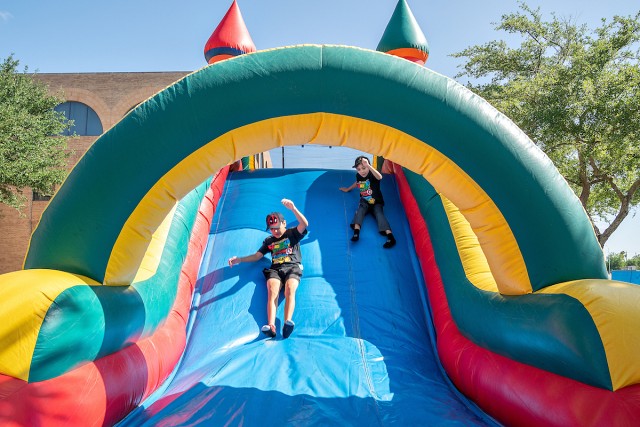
x=85, y=121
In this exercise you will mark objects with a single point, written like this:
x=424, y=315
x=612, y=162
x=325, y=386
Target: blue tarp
x=362, y=351
x=631, y=276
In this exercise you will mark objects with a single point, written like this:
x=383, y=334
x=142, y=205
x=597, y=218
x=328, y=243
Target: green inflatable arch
x=370, y=100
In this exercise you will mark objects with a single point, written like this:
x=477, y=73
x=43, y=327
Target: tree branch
x=622, y=213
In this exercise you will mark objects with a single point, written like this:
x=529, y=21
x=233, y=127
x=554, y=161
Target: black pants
x=376, y=209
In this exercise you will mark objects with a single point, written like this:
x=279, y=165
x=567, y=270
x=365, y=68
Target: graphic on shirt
x=366, y=191
x=280, y=251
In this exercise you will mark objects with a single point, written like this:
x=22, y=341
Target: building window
x=85, y=121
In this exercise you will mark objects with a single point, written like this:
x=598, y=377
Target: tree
x=576, y=93
x=633, y=261
x=31, y=152
x=616, y=261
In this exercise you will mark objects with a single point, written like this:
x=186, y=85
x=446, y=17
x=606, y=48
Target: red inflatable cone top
x=230, y=38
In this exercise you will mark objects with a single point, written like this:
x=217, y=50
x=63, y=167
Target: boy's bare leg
x=273, y=289
x=290, y=297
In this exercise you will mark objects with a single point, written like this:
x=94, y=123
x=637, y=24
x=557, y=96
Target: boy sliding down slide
x=286, y=265
x=371, y=201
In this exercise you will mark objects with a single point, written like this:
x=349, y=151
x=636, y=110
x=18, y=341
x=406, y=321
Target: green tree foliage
x=634, y=261
x=31, y=155
x=576, y=93
x=616, y=261
x=620, y=260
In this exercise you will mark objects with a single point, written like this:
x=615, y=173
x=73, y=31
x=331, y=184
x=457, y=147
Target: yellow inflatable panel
x=614, y=307
x=489, y=225
x=29, y=294
x=474, y=262
x=153, y=253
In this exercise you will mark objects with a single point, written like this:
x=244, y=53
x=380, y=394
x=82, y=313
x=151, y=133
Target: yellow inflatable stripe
x=29, y=294
x=488, y=223
x=153, y=253
x=474, y=263
x=614, y=308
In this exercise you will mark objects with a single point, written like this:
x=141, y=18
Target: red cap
x=274, y=219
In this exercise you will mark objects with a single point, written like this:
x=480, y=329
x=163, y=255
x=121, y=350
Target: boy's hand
x=233, y=261
x=365, y=162
x=288, y=204
x=344, y=189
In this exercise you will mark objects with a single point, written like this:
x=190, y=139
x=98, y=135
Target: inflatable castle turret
x=403, y=38
x=230, y=38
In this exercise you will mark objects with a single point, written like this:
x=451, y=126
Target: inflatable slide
x=361, y=352
x=526, y=324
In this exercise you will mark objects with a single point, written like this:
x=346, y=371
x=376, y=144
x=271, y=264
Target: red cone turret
x=230, y=38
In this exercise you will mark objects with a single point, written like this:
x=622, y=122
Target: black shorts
x=283, y=273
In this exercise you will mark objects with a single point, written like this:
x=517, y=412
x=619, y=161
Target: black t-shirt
x=369, y=187
x=286, y=249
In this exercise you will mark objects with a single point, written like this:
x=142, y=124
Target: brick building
x=105, y=98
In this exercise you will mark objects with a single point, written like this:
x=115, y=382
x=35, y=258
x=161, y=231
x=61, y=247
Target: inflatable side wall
x=125, y=340
x=532, y=360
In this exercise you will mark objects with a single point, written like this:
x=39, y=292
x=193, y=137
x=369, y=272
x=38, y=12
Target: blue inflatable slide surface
x=362, y=352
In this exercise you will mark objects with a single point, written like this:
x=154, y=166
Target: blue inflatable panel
x=362, y=350
x=629, y=276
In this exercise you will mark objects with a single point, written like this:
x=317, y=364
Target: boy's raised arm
x=373, y=170
x=303, y=223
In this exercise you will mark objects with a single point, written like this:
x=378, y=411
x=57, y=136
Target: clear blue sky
x=161, y=35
